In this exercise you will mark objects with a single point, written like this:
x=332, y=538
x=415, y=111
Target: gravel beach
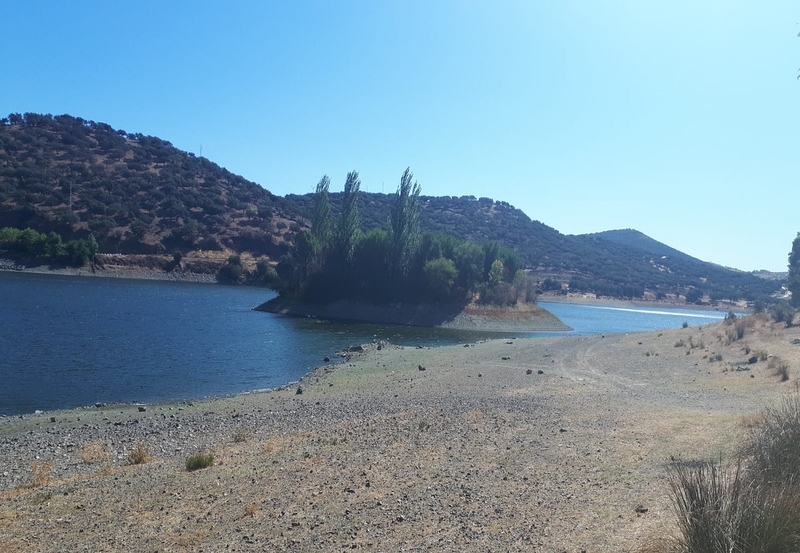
x=554, y=444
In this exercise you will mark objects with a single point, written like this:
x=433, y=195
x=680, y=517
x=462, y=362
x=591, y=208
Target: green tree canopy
x=349, y=224
x=404, y=225
x=320, y=218
x=439, y=275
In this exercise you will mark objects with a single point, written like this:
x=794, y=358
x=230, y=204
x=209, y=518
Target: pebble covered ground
x=555, y=444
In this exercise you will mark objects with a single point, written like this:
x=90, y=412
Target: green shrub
x=241, y=435
x=199, y=461
x=783, y=313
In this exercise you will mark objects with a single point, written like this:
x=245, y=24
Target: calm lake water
x=70, y=341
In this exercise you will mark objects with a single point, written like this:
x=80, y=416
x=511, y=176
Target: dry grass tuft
x=241, y=435
x=93, y=453
x=140, y=455
x=722, y=509
x=779, y=368
x=268, y=446
x=40, y=474
x=699, y=344
x=250, y=510
x=751, y=505
x=753, y=420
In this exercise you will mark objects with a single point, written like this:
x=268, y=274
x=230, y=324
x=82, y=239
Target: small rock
x=753, y=359
x=540, y=371
x=641, y=509
x=420, y=367
x=355, y=349
x=326, y=359
x=505, y=358
x=562, y=430
x=52, y=419
x=529, y=371
x=142, y=408
x=479, y=375
x=400, y=518
x=299, y=390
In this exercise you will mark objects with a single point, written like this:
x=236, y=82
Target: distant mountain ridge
x=140, y=194
x=639, y=241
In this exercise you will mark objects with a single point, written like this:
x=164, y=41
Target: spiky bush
x=723, y=509
x=774, y=446
x=750, y=506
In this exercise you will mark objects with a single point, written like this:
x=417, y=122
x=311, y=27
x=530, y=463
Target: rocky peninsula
x=472, y=316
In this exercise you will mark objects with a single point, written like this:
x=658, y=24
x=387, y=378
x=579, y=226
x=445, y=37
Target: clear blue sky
x=679, y=119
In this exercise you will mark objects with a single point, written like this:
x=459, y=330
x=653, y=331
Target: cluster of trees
x=608, y=265
x=337, y=260
x=606, y=288
x=50, y=246
x=237, y=271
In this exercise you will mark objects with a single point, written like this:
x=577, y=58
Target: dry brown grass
x=94, y=452
x=241, y=435
x=40, y=474
x=268, y=446
x=140, y=455
x=250, y=510
x=753, y=420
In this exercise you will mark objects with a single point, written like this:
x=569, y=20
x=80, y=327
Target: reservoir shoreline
x=557, y=443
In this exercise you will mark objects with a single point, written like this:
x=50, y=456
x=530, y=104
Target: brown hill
x=135, y=193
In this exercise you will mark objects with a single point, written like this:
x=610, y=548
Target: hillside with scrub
x=139, y=195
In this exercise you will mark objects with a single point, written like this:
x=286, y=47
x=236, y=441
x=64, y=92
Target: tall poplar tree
x=349, y=223
x=320, y=218
x=404, y=225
